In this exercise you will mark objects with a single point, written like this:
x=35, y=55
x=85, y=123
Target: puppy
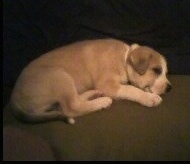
x=84, y=77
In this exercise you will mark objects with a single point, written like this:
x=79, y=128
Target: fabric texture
x=20, y=145
x=125, y=131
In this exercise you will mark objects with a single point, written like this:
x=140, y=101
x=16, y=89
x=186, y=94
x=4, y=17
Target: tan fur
x=71, y=75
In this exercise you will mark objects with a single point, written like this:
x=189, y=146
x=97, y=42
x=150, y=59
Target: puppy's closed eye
x=157, y=70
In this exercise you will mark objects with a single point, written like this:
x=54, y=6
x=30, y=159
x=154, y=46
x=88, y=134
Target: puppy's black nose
x=168, y=88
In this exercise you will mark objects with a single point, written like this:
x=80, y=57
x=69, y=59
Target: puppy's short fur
x=62, y=82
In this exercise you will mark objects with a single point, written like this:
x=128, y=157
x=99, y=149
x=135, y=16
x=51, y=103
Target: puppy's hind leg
x=90, y=94
x=77, y=107
x=73, y=105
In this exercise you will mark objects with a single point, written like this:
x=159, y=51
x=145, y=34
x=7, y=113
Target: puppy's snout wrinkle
x=168, y=88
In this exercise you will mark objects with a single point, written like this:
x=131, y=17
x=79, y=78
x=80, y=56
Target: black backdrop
x=32, y=27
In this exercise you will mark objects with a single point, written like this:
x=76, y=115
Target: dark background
x=33, y=27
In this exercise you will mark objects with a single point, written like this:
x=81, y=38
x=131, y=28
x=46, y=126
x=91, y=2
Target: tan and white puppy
x=84, y=77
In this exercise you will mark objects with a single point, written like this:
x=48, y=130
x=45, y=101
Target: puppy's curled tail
x=50, y=114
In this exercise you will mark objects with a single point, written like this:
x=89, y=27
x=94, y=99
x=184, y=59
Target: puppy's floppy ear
x=139, y=59
x=134, y=46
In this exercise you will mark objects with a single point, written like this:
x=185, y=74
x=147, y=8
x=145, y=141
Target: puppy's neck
x=126, y=52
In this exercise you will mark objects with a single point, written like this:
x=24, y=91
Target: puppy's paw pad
x=105, y=102
x=152, y=100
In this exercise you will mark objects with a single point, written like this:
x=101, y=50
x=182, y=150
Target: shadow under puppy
x=61, y=83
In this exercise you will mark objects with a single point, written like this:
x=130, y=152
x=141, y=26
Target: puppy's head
x=147, y=70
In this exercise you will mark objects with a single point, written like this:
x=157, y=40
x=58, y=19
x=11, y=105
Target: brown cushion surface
x=20, y=145
x=126, y=131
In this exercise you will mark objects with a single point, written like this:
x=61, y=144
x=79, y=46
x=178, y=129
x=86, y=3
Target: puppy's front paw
x=104, y=102
x=151, y=100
